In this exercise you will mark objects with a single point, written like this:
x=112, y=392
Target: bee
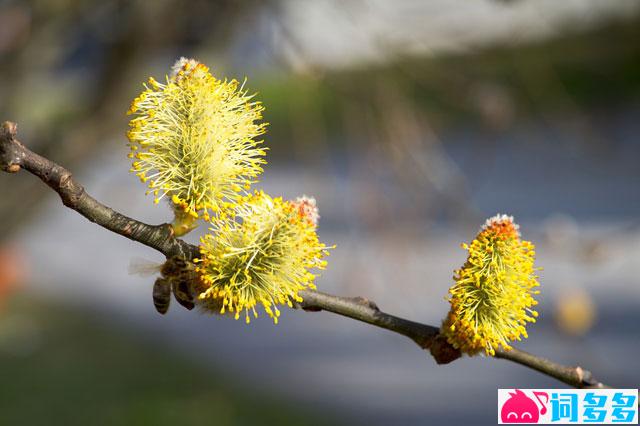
x=177, y=276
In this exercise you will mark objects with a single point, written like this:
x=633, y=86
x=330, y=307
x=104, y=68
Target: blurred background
x=410, y=122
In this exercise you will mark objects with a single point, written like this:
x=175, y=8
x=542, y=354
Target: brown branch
x=573, y=376
x=15, y=156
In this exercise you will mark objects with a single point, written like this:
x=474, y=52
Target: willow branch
x=14, y=156
x=573, y=376
x=367, y=311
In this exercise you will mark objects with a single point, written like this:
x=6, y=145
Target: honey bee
x=177, y=277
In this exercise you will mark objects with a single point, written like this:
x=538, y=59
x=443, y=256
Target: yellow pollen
x=493, y=293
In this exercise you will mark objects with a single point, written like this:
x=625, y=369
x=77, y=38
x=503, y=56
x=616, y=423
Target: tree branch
x=573, y=376
x=15, y=156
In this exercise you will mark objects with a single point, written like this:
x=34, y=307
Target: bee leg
x=183, y=295
x=162, y=295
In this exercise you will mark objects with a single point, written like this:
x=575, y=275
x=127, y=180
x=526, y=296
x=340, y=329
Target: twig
x=573, y=376
x=361, y=309
x=15, y=156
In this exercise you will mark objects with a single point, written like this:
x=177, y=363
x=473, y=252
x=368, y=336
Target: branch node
x=366, y=302
x=12, y=168
x=9, y=130
x=442, y=351
x=10, y=160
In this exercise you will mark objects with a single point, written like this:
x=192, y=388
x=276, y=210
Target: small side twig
x=15, y=156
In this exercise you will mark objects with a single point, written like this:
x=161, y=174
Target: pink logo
x=519, y=408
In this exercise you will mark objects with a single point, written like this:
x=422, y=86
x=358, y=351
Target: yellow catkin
x=492, y=298
x=193, y=140
x=262, y=257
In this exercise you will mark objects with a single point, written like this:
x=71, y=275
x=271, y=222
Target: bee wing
x=144, y=267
